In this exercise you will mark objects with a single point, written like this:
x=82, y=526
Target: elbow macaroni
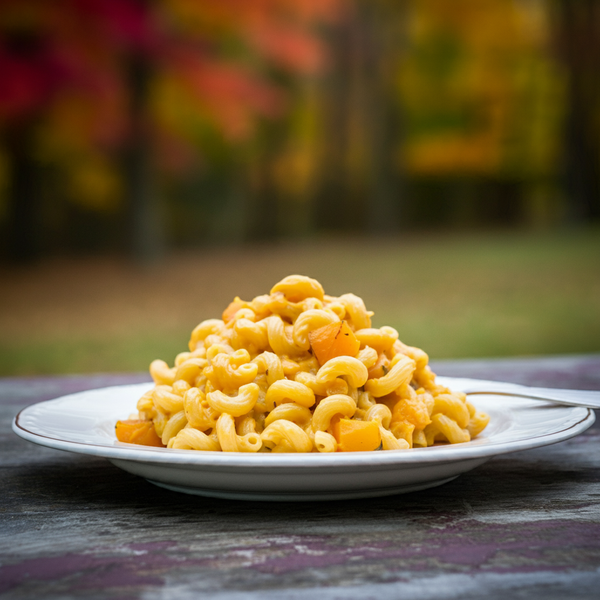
x=251, y=381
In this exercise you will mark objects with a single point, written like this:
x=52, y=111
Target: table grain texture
x=524, y=525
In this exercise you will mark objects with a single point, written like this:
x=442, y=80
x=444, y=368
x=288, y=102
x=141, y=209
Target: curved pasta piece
x=477, y=423
x=344, y=366
x=290, y=411
x=381, y=339
x=279, y=340
x=452, y=407
x=219, y=347
x=254, y=333
x=356, y=310
x=192, y=439
x=311, y=304
x=190, y=369
x=365, y=401
x=335, y=306
x=166, y=400
x=173, y=426
x=419, y=439
x=198, y=411
x=309, y=365
x=237, y=405
x=390, y=442
x=145, y=406
x=380, y=413
x=282, y=447
x=290, y=367
x=234, y=370
x=472, y=410
x=160, y=421
x=399, y=374
x=180, y=387
x=291, y=391
x=298, y=287
x=192, y=400
x=241, y=313
x=425, y=378
x=448, y=428
x=308, y=321
x=290, y=433
x=182, y=357
x=325, y=442
x=161, y=373
x=339, y=404
x=368, y=356
x=327, y=388
x=246, y=425
x=270, y=363
x=419, y=356
x=232, y=309
x=203, y=330
x=259, y=305
x=230, y=441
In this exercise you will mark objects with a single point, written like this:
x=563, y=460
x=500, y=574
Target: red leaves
x=230, y=93
x=214, y=51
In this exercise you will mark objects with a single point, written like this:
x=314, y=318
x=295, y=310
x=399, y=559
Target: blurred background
x=158, y=157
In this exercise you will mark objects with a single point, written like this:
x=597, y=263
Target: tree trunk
x=383, y=36
x=579, y=43
x=144, y=229
x=262, y=202
x=24, y=197
x=330, y=209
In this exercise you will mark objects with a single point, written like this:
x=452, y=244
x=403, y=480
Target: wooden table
x=525, y=525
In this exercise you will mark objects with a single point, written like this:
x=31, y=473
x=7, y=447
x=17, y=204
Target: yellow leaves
x=93, y=182
x=470, y=83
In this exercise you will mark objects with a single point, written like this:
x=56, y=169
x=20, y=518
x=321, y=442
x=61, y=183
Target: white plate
x=85, y=423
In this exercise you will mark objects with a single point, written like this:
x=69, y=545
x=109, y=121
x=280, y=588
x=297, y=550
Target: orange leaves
x=204, y=66
x=216, y=48
x=232, y=91
x=290, y=47
x=229, y=94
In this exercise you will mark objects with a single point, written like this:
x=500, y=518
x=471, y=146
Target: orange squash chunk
x=139, y=432
x=411, y=411
x=380, y=368
x=335, y=339
x=233, y=307
x=356, y=436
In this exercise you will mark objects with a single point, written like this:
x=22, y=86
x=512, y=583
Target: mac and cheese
x=299, y=371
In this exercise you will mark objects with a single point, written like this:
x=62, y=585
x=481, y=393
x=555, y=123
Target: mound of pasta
x=297, y=370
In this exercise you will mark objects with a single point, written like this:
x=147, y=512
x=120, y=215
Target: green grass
x=454, y=295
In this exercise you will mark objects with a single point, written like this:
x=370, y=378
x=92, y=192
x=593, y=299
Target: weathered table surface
x=525, y=525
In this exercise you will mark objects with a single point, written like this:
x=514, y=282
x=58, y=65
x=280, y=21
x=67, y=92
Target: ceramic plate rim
x=219, y=460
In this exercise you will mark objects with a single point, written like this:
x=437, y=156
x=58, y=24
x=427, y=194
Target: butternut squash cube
x=335, y=339
x=356, y=436
x=138, y=432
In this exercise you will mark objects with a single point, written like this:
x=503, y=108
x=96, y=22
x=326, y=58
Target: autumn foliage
x=66, y=70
